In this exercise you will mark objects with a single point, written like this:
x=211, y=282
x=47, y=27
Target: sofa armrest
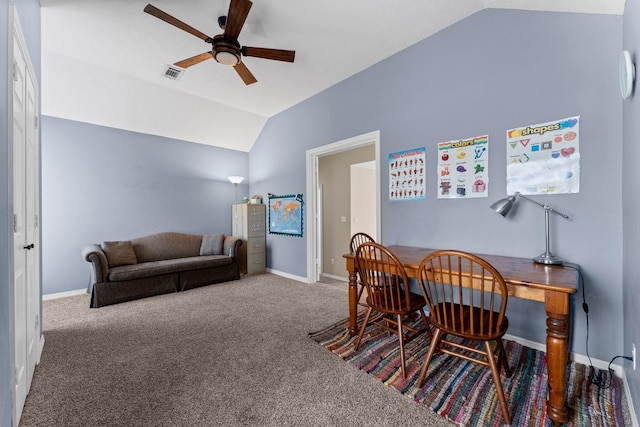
x=98, y=260
x=232, y=246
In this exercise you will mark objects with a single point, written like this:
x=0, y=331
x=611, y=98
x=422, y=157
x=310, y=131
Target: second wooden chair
x=446, y=279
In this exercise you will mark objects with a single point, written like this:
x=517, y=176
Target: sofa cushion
x=119, y=253
x=156, y=268
x=212, y=244
x=162, y=246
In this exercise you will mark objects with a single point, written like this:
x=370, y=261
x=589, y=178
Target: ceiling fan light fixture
x=226, y=58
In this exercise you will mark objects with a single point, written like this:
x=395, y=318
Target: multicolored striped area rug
x=464, y=393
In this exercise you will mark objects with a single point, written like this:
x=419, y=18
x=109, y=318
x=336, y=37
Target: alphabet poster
x=407, y=175
x=544, y=158
x=463, y=168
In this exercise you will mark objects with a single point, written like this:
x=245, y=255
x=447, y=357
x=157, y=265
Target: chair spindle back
x=384, y=277
x=450, y=279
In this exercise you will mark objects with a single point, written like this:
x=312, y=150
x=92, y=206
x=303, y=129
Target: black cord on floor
x=602, y=379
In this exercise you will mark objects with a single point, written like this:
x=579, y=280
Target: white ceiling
x=103, y=60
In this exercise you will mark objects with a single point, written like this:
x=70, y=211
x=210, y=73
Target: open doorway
x=328, y=226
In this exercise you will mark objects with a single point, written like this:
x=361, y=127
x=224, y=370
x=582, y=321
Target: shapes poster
x=544, y=158
x=463, y=168
x=407, y=175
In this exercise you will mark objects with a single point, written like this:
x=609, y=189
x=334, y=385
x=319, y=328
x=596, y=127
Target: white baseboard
x=287, y=275
x=334, y=277
x=64, y=294
x=627, y=393
x=580, y=358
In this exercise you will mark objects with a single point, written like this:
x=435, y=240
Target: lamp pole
x=547, y=257
x=235, y=180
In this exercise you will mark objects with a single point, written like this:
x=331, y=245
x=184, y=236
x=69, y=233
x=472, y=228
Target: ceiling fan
x=225, y=47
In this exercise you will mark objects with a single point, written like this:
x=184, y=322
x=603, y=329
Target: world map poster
x=285, y=215
x=544, y=158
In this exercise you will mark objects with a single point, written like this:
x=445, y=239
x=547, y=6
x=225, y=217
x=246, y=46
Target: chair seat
x=416, y=302
x=452, y=314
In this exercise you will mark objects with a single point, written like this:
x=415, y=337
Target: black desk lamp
x=503, y=206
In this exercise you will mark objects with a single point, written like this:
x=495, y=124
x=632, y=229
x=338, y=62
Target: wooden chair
x=476, y=315
x=356, y=240
x=384, y=277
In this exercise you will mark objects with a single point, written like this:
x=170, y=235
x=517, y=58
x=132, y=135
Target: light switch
x=343, y=219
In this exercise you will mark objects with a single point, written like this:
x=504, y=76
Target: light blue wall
x=101, y=183
x=496, y=70
x=29, y=15
x=631, y=202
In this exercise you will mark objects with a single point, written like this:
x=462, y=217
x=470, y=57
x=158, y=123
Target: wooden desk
x=551, y=285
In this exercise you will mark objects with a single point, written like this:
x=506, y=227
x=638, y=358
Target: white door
x=32, y=198
x=26, y=244
x=19, y=232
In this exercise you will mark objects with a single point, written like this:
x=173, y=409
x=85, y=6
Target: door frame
x=33, y=308
x=313, y=216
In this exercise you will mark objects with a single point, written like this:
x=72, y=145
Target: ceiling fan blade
x=244, y=73
x=276, y=54
x=186, y=63
x=238, y=11
x=152, y=10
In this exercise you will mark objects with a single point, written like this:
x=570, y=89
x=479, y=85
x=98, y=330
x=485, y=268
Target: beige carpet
x=231, y=354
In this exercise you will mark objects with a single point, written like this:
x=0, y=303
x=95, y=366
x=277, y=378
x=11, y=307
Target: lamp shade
x=235, y=179
x=503, y=206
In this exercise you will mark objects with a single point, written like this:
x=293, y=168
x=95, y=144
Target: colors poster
x=544, y=158
x=463, y=168
x=407, y=175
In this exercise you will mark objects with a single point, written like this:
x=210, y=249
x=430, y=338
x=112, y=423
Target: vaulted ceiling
x=104, y=61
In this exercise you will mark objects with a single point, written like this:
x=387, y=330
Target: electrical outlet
x=333, y=261
x=633, y=355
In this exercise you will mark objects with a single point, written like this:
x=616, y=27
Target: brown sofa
x=159, y=264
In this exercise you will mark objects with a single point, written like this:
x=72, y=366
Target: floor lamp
x=235, y=180
x=503, y=206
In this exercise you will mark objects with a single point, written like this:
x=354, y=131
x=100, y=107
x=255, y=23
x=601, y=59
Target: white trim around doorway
x=312, y=191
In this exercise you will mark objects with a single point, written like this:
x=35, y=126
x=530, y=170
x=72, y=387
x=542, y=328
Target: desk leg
x=353, y=303
x=557, y=307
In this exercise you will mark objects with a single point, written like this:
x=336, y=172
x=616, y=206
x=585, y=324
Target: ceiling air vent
x=173, y=72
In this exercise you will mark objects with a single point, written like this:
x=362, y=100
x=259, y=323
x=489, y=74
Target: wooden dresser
x=249, y=223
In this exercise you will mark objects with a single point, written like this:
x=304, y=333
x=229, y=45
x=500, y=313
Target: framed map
x=285, y=215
